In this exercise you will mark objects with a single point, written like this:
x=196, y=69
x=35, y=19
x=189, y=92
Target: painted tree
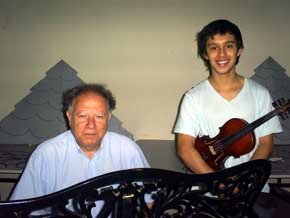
x=272, y=75
x=38, y=116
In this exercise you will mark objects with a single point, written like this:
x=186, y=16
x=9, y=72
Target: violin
x=235, y=138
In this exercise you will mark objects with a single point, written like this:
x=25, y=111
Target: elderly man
x=85, y=151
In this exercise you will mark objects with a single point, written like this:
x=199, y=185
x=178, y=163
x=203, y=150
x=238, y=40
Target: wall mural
x=272, y=75
x=38, y=116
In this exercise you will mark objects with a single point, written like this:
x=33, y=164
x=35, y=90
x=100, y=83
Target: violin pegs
x=286, y=115
x=283, y=100
x=283, y=117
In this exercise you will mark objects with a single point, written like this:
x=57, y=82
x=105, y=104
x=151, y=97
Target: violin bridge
x=211, y=149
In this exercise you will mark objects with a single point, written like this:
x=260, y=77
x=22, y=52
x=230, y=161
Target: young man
x=86, y=150
x=225, y=94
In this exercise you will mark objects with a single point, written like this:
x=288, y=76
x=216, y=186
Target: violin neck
x=262, y=120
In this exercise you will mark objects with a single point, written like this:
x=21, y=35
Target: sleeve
x=31, y=182
x=187, y=121
x=272, y=125
x=138, y=159
x=124, y=152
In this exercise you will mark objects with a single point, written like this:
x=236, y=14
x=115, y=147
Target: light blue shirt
x=59, y=163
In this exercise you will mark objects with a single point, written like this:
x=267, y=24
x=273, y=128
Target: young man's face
x=222, y=53
x=88, y=119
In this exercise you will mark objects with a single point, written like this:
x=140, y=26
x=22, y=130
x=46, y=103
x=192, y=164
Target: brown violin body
x=216, y=150
x=236, y=137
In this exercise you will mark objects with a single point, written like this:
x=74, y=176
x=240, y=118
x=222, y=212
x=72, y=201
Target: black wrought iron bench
x=123, y=194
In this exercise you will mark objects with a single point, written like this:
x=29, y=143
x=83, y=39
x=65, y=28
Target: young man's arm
x=264, y=149
x=190, y=156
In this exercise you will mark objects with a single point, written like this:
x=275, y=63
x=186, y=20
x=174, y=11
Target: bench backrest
x=124, y=194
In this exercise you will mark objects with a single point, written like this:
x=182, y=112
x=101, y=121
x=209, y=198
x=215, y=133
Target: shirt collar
x=76, y=145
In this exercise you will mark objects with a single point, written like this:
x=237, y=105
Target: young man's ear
x=205, y=56
x=240, y=51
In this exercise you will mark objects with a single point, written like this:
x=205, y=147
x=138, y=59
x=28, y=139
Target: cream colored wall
x=144, y=50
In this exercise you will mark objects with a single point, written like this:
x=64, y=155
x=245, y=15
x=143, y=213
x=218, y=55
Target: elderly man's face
x=88, y=119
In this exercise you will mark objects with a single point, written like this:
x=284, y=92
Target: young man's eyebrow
x=214, y=43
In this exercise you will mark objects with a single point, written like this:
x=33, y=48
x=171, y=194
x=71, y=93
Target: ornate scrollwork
x=155, y=193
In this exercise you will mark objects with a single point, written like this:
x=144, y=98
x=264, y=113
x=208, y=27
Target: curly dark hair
x=70, y=95
x=213, y=28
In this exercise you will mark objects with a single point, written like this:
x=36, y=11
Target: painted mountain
x=272, y=75
x=38, y=116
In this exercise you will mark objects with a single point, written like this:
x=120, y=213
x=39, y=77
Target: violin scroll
x=282, y=107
